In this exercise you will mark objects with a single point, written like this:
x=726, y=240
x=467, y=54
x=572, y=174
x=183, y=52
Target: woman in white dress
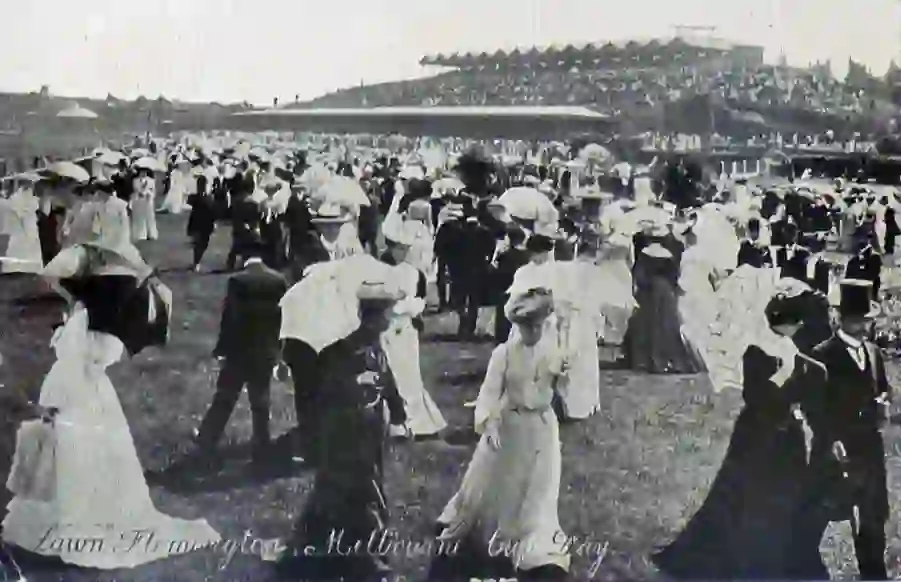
x=100, y=513
x=698, y=304
x=401, y=341
x=179, y=183
x=618, y=302
x=19, y=220
x=143, y=207
x=509, y=493
x=581, y=322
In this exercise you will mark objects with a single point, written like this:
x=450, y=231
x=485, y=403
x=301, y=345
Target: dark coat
x=844, y=409
x=251, y=316
x=754, y=254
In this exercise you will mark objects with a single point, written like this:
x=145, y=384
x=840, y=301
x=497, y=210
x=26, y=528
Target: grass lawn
x=632, y=475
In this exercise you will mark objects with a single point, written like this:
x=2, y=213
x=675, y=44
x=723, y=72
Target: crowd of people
x=335, y=247
x=614, y=90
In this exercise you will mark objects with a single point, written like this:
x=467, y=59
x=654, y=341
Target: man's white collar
x=851, y=341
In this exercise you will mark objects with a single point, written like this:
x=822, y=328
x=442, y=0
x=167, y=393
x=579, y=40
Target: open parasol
x=323, y=308
x=595, y=153
x=449, y=183
x=69, y=170
x=77, y=112
x=341, y=191
x=148, y=163
x=528, y=204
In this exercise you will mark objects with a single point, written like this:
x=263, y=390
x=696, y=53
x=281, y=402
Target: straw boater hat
x=530, y=307
x=857, y=299
x=331, y=214
x=378, y=294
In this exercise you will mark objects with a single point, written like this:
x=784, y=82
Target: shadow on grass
x=228, y=469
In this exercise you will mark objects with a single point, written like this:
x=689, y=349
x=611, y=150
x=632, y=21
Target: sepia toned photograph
x=450, y=291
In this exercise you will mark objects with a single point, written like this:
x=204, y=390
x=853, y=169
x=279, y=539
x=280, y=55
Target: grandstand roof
x=600, y=50
x=507, y=112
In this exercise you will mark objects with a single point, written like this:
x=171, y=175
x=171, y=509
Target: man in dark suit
x=792, y=258
x=847, y=472
x=202, y=220
x=246, y=218
x=470, y=268
x=752, y=251
x=123, y=182
x=867, y=265
x=249, y=348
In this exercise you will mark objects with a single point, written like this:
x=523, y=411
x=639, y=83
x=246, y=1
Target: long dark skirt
x=744, y=529
x=654, y=343
x=345, y=515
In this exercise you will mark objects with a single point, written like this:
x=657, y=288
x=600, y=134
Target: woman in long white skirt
x=510, y=490
x=143, y=208
x=581, y=323
x=100, y=514
x=401, y=341
x=179, y=189
x=18, y=217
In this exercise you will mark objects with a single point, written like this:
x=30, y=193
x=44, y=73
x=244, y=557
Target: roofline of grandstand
x=382, y=112
x=695, y=42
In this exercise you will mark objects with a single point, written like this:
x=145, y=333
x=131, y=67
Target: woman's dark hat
x=783, y=310
x=857, y=299
x=539, y=243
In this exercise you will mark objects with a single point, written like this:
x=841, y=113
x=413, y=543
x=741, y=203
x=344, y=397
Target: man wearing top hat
x=866, y=264
x=792, y=258
x=847, y=472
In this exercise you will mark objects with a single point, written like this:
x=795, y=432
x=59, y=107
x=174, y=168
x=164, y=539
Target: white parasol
x=449, y=183
x=595, y=153
x=315, y=177
x=323, y=308
x=69, y=170
x=342, y=191
x=148, y=163
x=632, y=221
x=528, y=204
x=139, y=153
x=77, y=112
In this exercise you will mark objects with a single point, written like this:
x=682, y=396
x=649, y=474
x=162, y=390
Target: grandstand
x=676, y=85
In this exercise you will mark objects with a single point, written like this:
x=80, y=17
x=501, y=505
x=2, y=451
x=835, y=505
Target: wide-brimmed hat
x=331, y=214
x=529, y=307
x=857, y=299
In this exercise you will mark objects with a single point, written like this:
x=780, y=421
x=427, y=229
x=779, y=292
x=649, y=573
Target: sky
x=237, y=50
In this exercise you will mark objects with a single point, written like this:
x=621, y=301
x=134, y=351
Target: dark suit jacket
x=796, y=267
x=866, y=265
x=844, y=409
x=754, y=255
x=246, y=218
x=251, y=316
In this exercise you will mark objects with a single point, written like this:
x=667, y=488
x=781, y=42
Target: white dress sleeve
x=491, y=393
